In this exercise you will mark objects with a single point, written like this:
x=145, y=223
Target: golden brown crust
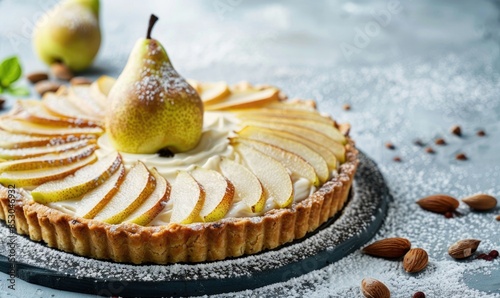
x=173, y=243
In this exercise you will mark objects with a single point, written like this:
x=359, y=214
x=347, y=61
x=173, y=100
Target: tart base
x=174, y=243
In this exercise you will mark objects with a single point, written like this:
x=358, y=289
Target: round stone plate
x=358, y=222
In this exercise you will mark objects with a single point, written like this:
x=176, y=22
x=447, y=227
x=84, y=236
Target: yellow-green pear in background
x=151, y=106
x=69, y=34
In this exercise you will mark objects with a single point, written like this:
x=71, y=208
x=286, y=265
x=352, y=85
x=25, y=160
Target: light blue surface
x=430, y=65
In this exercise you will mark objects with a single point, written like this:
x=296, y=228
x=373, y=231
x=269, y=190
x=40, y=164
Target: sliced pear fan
x=48, y=160
x=79, y=183
x=22, y=153
x=93, y=201
x=314, y=159
x=246, y=99
x=271, y=173
x=30, y=128
x=293, y=162
x=219, y=194
x=188, y=198
x=246, y=185
x=154, y=204
x=29, y=179
x=135, y=189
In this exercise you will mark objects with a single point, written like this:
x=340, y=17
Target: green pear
x=151, y=106
x=69, y=34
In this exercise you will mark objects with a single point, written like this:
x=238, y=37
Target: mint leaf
x=10, y=71
x=18, y=91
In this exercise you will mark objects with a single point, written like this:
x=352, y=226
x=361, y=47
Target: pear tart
x=280, y=170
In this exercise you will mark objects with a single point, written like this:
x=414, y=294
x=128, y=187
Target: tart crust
x=173, y=243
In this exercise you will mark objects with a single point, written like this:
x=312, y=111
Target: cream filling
x=217, y=128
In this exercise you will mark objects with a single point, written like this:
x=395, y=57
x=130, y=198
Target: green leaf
x=10, y=71
x=19, y=91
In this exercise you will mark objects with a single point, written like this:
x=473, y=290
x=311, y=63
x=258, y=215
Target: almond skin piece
x=439, y=203
x=463, y=249
x=481, y=202
x=415, y=260
x=372, y=288
x=389, y=248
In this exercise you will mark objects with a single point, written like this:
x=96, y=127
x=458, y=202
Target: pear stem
x=152, y=22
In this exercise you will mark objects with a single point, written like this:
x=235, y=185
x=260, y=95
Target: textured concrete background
x=410, y=69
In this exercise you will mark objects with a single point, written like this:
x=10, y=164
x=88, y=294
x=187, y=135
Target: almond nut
x=80, y=81
x=463, y=249
x=481, y=202
x=36, y=77
x=372, y=288
x=61, y=71
x=439, y=203
x=415, y=260
x=388, y=248
x=43, y=87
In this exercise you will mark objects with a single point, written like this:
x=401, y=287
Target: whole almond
x=415, y=260
x=61, y=71
x=36, y=77
x=80, y=81
x=439, y=203
x=43, y=87
x=388, y=248
x=463, y=249
x=481, y=202
x=497, y=217
x=373, y=288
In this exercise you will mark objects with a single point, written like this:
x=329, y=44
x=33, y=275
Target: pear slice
x=212, y=93
x=99, y=90
x=80, y=96
x=81, y=182
x=59, y=105
x=219, y=194
x=270, y=172
x=314, y=159
x=262, y=134
x=28, y=152
x=48, y=160
x=246, y=99
x=294, y=105
x=188, y=199
x=293, y=162
x=247, y=187
x=10, y=140
x=30, y=128
x=93, y=201
x=34, y=111
x=154, y=204
x=306, y=133
x=29, y=179
x=135, y=189
x=249, y=114
x=195, y=84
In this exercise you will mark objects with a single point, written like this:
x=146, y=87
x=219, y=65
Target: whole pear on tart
x=92, y=154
